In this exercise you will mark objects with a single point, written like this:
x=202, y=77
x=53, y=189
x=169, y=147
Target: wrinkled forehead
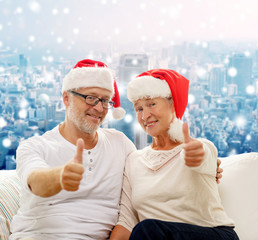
x=146, y=100
x=95, y=91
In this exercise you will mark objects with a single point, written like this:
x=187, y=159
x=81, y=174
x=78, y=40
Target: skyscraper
x=23, y=63
x=242, y=66
x=216, y=80
x=131, y=65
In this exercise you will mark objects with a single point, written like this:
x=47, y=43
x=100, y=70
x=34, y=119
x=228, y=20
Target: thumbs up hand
x=194, y=152
x=72, y=172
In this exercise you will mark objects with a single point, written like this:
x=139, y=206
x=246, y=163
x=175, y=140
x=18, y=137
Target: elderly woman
x=169, y=189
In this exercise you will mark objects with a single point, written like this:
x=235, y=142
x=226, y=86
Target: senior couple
x=80, y=181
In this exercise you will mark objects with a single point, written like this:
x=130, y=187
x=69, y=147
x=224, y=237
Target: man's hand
x=194, y=152
x=219, y=171
x=72, y=172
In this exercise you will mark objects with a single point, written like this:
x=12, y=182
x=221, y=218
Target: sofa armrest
x=10, y=186
x=239, y=192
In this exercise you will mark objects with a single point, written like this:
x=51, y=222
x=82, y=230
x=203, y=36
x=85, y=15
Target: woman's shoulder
x=138, y=153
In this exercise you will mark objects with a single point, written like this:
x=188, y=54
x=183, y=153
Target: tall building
x=242, y=66
x=23, y=63
x=131, y=65
x=217, y=80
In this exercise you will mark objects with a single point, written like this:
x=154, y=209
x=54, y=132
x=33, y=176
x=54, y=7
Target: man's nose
x=99, y=106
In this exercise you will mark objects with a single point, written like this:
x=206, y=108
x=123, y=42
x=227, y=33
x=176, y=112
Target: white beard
x=78, y=119
x=175, y=130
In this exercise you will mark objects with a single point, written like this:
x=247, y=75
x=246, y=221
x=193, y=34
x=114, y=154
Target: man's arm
x=120, y=233
x=48, y=182
x=45, y=182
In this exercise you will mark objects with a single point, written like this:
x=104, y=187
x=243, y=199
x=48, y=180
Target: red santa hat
x=163, y=83
x=90, y=73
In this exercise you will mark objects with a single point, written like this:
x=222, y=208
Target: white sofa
x=238, y=189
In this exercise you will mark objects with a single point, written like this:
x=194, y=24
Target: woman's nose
x=145, y=114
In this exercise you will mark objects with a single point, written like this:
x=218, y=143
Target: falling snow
x=175, y=34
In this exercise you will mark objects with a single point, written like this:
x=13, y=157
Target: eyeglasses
x=93, y=100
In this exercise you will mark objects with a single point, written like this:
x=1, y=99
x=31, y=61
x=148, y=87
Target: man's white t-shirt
x=89, y=213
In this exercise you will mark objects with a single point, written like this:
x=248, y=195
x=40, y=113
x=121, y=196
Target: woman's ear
x=172, y=107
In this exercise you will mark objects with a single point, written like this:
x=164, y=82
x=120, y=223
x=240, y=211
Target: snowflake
x=250, y=90
x=240, y=121
x=191, y=98
x=22, y=113
x=66, y=10
x=54, y=11
x=75, y=30
x=247, y=53
x=128, y=118
x=232, y=72
x=3, y=123
x=201, y=72
x=50, y=59
x=18, y=10
x=34, y=6
x=7, y=142
x=31, y=38
x=59, y=40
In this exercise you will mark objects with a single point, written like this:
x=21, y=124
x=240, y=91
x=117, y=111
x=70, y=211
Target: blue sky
x=65, y=26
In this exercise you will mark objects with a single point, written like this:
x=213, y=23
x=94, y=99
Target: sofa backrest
x=239, y=192
x=9, y=200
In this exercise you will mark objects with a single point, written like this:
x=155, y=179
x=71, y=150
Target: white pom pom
x=118, y=113
x=176, y=130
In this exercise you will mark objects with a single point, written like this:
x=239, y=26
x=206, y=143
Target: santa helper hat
x=163, y=83
x=90, y=73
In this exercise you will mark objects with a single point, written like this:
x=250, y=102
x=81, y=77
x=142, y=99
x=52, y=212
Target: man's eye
x=90, y=98
x=138, y=109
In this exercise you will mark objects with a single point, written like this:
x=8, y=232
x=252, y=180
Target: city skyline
x=211, y=43
x=222, y=104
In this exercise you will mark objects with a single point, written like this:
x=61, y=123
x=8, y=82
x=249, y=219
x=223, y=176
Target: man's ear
x=66, y=98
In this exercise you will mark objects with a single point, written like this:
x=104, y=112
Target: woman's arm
x=120, y=233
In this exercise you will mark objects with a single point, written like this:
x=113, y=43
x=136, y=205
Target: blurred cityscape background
x=35, y=56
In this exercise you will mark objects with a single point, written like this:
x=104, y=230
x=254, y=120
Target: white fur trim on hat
x=118, y=113
x=175, y=130
x=147, y=86
x=89, y=77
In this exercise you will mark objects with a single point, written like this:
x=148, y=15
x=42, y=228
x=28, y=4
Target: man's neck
x=71, y=134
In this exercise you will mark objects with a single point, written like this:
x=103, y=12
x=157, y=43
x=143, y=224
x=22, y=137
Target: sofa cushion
x=239, y=192
x=9, y=200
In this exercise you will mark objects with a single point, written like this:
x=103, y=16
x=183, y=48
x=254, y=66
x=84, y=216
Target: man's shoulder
x=111, y=132
x=45, y=137
x=117, y=137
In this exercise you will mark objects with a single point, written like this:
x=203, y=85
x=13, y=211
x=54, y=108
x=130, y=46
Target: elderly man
x=72, y=175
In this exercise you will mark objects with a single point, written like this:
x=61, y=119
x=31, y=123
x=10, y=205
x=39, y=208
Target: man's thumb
x=187, y=137
x=79, y=153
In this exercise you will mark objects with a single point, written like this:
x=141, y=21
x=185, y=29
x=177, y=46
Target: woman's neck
x=163, y=143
